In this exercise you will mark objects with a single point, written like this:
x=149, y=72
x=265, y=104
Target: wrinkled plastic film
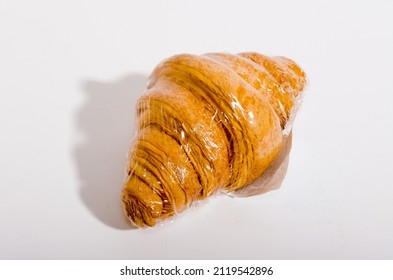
x=210, y=124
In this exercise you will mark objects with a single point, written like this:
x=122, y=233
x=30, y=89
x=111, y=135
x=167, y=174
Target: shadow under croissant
x=106, y=121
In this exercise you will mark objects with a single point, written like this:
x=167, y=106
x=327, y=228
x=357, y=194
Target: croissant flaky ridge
x=207, y=123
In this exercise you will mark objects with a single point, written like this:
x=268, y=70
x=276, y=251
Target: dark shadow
x=106, y=122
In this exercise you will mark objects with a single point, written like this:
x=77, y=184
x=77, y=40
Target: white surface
x=71, y=72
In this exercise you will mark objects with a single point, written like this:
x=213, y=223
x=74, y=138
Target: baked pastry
x=207, y=123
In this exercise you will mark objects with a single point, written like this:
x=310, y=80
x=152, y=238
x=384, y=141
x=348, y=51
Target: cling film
x=209, y=124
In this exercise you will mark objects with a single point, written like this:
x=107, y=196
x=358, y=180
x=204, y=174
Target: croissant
x=207, y=123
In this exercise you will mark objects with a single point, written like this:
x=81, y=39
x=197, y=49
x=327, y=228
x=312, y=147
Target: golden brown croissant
x=207, y=123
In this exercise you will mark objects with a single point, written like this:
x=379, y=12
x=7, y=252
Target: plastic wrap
x=210, y=124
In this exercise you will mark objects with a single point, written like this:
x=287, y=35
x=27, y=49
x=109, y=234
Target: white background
x=70, y=75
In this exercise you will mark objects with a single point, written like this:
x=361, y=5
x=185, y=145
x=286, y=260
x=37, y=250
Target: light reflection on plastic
x=236, y=103
x=251, y=117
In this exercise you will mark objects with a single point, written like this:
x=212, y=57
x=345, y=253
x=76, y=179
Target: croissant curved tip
x=136, y=212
